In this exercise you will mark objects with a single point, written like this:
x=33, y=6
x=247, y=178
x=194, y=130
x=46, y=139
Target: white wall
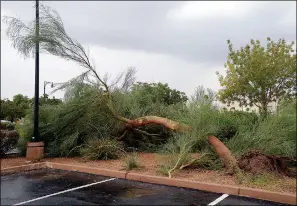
x=272, y=107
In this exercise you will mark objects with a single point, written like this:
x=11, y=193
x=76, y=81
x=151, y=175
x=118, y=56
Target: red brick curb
x=90, y=170
x=242, y=191
x=268, y=195
x=184, y=183
x=23, y=168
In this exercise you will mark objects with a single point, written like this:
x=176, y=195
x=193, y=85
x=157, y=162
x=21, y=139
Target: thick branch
x=146, y=133
x=170, y=124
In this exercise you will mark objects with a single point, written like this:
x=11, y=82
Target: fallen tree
x=54, y=40
x=224, y=154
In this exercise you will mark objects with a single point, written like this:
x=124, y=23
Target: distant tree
x=17, y=108
x=257, y=75
x=7, y=111
x=157, y=92
x=46, y=100
x=203, y=96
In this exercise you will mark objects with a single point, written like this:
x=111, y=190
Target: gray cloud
x=183, y=51
x=144, y=26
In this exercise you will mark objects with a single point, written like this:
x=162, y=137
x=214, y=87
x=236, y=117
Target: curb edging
x=85, y=169
x=286, y=198
x=22, y=168
x=184, y=183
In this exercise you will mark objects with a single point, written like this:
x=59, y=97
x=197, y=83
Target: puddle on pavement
x=137, y=192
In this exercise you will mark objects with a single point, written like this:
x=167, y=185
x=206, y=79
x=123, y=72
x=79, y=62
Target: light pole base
x=35, y=150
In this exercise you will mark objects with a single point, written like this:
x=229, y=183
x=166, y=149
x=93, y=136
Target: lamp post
x=35, y=148
x=36, y=136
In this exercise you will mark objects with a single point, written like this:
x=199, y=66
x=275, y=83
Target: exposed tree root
x=256, y=162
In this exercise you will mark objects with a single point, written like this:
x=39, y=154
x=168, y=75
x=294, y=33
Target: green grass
x=131, y=162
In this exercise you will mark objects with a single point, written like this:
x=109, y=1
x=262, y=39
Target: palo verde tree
x=54, y=40
x=257, y=75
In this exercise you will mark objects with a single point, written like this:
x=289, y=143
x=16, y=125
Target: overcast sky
x=180, y=43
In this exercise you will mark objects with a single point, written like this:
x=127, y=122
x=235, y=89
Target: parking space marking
x=69, y=190
x=216, y=201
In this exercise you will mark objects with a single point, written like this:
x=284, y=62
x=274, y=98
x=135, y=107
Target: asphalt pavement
x=58, y=187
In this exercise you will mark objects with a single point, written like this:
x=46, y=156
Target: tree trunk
x=264, y=109
x=142, y=121
x=225, y=155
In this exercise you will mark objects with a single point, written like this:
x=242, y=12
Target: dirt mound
x=256, y=162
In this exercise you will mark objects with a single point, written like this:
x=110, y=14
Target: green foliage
x=209, y=161
x=15, y=109
x=150, y=93
x=102, y=149
x=261, y=180
x=25, y=126
x=203, y=96
x=257, y=75
x=45, y=100
x=131, y=162
x=80, y=125
x=232, y=122
x=19, y=106
x=274, y=135
x=7, y=126
x=178, y=148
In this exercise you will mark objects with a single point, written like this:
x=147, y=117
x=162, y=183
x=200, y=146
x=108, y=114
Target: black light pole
x=36, y=137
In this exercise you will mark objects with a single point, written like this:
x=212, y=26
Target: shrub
x=65, y=127
x=232, y=122
x=7, y=126
x=131, y=162
x=178, y=148
x=102, y=149
x=275, y=135
x=25, y=129
x=9, y=140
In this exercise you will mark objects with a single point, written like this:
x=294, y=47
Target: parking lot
x=58, y=187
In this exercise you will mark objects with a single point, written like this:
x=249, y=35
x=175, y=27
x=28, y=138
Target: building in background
x=272, y=107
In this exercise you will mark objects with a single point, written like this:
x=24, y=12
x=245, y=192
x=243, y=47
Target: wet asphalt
x=17, y=188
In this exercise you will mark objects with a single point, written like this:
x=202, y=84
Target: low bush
x=7, y=126
x=9, y=139
x=102, y=149
x=178, y=148
x=275, y=135
x=131, y=162
x=232, y=122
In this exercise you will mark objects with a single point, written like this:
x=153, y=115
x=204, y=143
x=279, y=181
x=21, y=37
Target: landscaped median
x=233, y=190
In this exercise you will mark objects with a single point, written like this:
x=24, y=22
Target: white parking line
x=216, y=201
x=76, y=188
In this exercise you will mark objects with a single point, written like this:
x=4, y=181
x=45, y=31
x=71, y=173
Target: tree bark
x=142, y=121
x=224, y=154
x=170, y=124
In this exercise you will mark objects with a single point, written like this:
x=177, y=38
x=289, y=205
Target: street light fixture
x=44, y=85
x=36, y=137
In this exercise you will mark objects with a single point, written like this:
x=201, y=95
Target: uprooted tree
x=54, y=40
